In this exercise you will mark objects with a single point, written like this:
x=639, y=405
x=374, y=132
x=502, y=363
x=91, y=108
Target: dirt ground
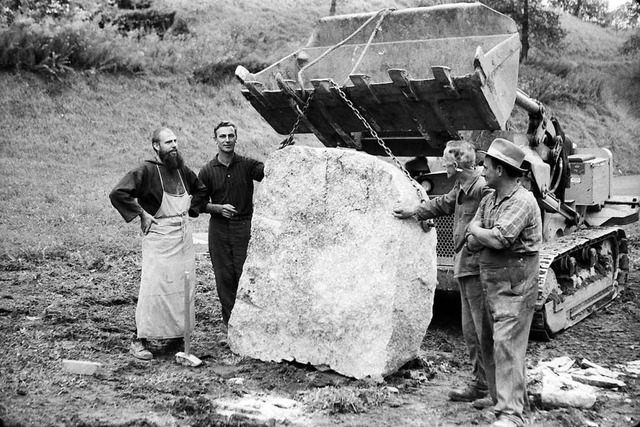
x=66, y=307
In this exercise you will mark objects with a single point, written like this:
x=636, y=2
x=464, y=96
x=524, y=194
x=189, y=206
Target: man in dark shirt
x=229, y=180
x=164, y=193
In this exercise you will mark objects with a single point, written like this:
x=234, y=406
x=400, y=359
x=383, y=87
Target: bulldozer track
x=554, y=251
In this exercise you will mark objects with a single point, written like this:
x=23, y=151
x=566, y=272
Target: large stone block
x=332, y=278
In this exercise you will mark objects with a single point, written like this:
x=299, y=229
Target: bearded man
x=164, y=193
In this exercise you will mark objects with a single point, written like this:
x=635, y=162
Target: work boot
x=467, y=394
x=139, y=351
x=483, y=403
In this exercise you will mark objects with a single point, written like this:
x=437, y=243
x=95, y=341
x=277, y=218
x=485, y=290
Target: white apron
x=167, y=253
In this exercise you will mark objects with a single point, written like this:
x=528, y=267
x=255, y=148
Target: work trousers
x=472, y=300
x=510, y=285
x=228, y=243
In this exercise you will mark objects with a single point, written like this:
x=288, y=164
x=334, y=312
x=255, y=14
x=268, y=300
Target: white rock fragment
x=558, y=364
x=82, y=367
x=596, y=380
x=561, y=391
x=264, y=408
x=591, y=367
x=631, y=369
x=561, y=382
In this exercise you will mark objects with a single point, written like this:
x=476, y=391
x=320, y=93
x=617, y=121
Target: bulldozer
x=402, y=83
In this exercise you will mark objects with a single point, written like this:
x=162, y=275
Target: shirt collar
x=466, y=186
x=217, y=162
x=495, y=194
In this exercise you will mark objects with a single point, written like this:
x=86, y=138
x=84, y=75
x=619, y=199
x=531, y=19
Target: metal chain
x=301, y=113
x=373, y=133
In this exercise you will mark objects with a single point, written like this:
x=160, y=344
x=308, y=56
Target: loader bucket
x=416, y=77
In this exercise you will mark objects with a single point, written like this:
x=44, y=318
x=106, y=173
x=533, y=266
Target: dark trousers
x=228, y=242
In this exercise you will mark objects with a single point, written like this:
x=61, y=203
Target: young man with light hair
x=462, y=201
x=229, y=180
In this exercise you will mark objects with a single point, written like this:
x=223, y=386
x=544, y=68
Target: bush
x=562, y=81
x=136, y=41
x=220, y=72
x=346, y=400
x=55, y=47
x=631, y=45
x=133, y=4
x=36, y=9
x=145, y=20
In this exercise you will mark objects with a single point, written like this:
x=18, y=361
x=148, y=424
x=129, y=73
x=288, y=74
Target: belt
x=506, y=253
x=503, y=257
x=233, y=218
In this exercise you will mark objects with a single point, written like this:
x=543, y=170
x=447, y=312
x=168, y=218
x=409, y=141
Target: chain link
x=301, y=113
x=382, y=144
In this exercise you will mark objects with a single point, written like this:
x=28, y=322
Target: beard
x=170, y=161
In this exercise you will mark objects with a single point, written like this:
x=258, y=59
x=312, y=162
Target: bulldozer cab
x=414, y=77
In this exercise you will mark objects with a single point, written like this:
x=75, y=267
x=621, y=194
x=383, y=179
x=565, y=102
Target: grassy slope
x=63, y=145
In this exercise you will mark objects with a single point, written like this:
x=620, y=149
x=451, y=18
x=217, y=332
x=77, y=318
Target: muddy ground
x=63, y=306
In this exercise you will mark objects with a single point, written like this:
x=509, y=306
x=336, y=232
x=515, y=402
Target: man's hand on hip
x=146, y=221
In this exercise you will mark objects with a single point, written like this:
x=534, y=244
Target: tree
x=538, y=26
x=587, y=10
x=627, y=15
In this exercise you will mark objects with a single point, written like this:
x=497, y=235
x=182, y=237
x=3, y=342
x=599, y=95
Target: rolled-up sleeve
x=511, y=222
x=257, y=172
x=124, y=195
x=438, y=206
x=199, y=195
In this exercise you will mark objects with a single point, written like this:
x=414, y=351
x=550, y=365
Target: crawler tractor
x=401, y=83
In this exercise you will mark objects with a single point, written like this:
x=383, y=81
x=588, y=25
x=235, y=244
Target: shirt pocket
x=463, y=217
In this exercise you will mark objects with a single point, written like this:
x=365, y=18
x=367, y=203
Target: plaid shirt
x=515, y=219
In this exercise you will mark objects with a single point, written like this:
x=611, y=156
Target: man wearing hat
x=507, y=231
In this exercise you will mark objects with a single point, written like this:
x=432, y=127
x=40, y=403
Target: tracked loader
x=401, y=83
